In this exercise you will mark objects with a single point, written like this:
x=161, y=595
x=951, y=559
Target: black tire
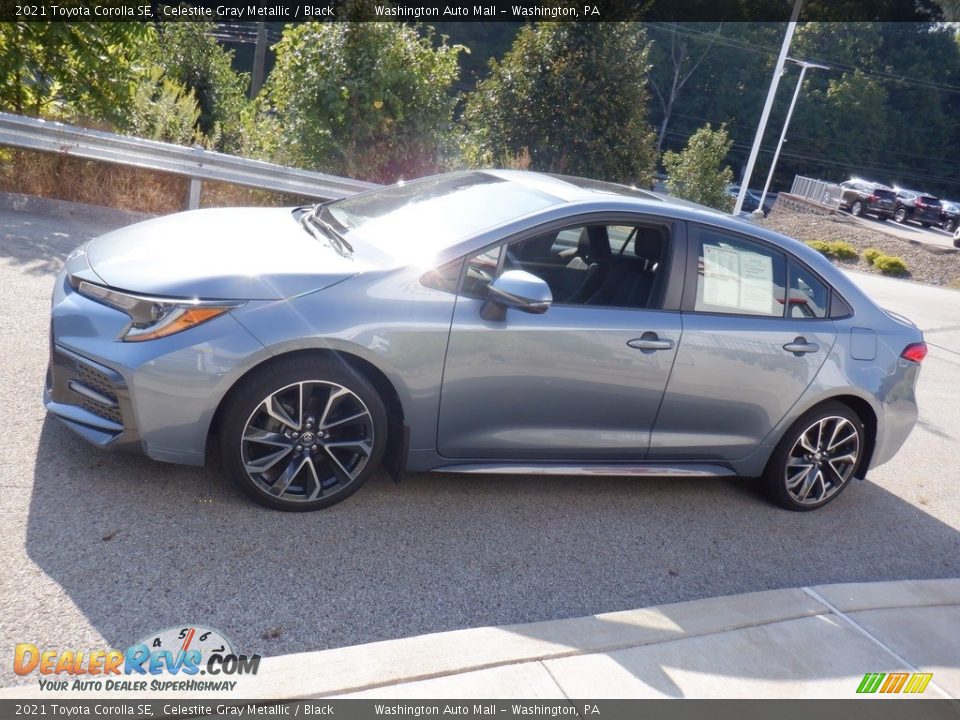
x=776, y=477
x=900, y=215
x=950, y=224
x=316, y=383
x=856, y=209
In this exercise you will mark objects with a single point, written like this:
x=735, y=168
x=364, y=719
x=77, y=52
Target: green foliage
x=69, y=70
x=191, y=57
x=162, y=109
x=890, y=265
x=871, y=254
x=571, y=96
x=834, y=249
x=367, y=100
x=695, y=173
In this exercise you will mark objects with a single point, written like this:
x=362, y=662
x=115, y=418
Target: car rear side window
x=735, y=276
x=808, y=296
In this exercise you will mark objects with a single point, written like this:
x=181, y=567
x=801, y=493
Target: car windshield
x=425, y=215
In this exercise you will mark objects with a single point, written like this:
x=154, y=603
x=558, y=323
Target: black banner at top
x=460, y=11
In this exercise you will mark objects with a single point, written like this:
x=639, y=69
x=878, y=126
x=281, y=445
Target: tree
x=573, y=96
x=69, y=70
x=695, y=173
x=364, y=99
x=162, y=109
x=674, y=59
x=190, y=56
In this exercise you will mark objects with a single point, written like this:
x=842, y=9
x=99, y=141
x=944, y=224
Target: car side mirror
x=518, y=290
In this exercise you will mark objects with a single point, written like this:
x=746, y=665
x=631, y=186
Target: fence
x=195, y=163
x=818, y=191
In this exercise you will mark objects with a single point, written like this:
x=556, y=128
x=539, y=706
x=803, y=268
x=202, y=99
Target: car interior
x=600, y=265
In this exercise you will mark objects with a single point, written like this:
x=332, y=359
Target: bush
x=570, y=98
x=695, y=174
x=890, y=265
x=369, y=100
x=834, y=249
x=871, y=254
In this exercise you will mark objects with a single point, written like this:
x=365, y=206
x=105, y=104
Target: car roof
x=571, y=188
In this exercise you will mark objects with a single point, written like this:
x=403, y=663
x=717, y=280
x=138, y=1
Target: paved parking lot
x=909, y=231
x=101, y=549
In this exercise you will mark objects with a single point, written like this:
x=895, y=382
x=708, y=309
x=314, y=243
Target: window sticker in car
x=738, y=279
x=721, y=282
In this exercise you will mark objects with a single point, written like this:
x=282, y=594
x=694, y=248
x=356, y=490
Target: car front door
x=756, y=331
x=582, y=381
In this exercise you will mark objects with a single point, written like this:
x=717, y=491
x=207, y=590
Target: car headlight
x=152, y=317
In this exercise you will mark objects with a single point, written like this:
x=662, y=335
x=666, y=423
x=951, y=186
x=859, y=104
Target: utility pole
x=804, y=66
x=777, y=71
x=259, y=60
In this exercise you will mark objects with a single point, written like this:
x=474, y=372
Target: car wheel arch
x=868, y=418
x=395, y=455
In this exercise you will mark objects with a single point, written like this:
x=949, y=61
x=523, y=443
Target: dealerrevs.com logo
x=147, y=665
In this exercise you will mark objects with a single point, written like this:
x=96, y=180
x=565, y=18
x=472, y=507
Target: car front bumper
x=158, y=397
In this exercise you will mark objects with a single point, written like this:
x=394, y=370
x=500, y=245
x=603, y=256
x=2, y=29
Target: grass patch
x=890, y=265
x=837, y=249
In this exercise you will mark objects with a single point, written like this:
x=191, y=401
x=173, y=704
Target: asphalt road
x=909, y=231
x=101, y=549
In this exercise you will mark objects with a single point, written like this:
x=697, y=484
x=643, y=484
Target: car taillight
x=918, y=203
x=915, y=352
x=872, y=198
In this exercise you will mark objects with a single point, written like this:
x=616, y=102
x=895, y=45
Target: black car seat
x=635, y=282
x=587, y=270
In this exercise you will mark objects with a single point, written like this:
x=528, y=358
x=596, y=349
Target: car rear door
x=750, y=347
x=584, y=380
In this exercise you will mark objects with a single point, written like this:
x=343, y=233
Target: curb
x=70, y=210
x=383, y=664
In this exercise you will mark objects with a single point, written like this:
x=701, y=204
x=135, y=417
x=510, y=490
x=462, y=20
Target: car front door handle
x=800, y=346
x=650, y=341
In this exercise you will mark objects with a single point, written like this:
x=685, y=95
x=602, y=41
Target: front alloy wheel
x=900, y=216
x=816, y=458
x=312, y=432
x=857, y=208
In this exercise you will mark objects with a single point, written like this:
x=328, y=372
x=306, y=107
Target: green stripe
x=870, y=682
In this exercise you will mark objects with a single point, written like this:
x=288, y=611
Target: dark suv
x=916, y=206
x=949, y=215
x=861, y=197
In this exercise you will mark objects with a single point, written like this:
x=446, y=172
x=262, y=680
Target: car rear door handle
x=650, y=341
x=799, y=346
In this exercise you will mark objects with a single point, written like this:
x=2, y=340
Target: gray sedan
x=479, y=322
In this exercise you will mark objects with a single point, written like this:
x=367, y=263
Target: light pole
x=804, y=66
x=777, y=71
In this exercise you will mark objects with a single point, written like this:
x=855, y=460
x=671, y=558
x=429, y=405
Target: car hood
x=224, y=253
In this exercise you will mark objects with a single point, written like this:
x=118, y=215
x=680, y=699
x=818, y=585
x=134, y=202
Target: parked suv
x=916, y=206
x=949, y=215
x=861, y=197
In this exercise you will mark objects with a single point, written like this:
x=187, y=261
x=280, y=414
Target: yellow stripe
x=925, y=680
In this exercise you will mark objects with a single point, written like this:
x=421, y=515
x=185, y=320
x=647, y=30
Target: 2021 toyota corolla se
x=494, y=322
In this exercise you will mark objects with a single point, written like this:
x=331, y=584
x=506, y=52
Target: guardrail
x=194, y=163
x=818, y=191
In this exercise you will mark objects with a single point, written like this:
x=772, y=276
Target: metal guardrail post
x=193, y=188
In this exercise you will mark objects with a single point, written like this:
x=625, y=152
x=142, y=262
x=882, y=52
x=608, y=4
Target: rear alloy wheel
x=857, y=208
x=950, y=225
x=303, y=434
x=816, y=458
x=900, y=215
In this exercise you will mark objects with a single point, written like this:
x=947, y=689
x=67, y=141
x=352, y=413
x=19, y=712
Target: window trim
x=676, y=261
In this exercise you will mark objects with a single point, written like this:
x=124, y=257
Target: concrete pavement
x=810, y=642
